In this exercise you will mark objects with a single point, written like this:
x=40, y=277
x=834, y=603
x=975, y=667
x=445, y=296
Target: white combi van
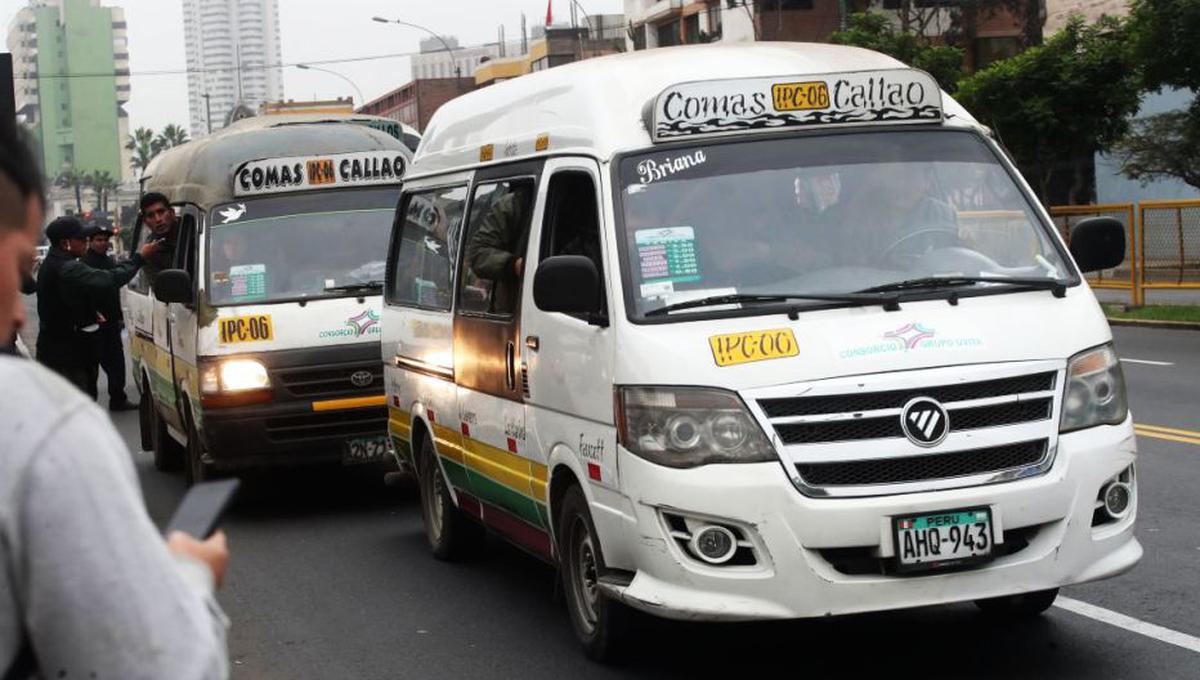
x=753, y=332
x=261, y=346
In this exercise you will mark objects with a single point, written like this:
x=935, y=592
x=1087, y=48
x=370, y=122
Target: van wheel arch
x=562, y=478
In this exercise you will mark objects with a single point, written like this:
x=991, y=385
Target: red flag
x=549, y=12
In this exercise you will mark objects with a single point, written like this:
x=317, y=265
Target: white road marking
x=1091, y=611
x=1149, y=362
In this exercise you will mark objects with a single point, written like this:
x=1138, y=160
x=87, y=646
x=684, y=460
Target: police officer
x=109, y=350
x=66, y=308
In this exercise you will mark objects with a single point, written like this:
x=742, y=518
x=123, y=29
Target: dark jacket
x=66, y=290
x=108, y=301
x=164, y=258
x=500, y=238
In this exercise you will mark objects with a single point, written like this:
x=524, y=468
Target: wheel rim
x=584, y=574
x=436, y=489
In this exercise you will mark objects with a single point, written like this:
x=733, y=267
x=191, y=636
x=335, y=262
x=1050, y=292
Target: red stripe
x=512, y=445
x=468, y=503
x=594, y=471
x=520, y=532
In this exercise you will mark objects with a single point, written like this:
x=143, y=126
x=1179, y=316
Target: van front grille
x=925, y=467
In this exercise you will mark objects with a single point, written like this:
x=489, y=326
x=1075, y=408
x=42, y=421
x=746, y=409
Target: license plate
x=943, y=539
x=365, y=450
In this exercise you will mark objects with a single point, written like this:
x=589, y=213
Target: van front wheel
x=601, y=624
x=451, y=534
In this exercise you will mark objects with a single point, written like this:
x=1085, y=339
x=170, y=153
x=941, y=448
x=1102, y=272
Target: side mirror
x=173, y=285
x=1098, y=243
x=569, y=284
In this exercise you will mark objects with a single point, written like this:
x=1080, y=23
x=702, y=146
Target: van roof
x=201, y=171
x=596, y=106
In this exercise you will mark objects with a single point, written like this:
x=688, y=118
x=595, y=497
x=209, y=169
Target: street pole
x=305, y=67
x=449, y=50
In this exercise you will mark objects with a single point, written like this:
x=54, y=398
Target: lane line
x=1167, y=437
x=1150, y=630
x=1148, y=362
x=1168, y=430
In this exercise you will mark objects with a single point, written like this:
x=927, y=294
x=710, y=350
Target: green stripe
x=456, y=474
x=497, y=494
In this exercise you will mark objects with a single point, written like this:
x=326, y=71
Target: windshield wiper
x=890, y=303
x=1057, y=288
x=355, y=287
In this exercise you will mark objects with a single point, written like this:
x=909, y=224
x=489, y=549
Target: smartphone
x=202, y=508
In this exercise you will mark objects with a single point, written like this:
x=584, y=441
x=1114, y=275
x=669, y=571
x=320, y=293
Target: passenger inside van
x=495, y=250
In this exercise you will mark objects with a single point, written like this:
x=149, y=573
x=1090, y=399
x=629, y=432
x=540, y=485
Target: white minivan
x=753, y=332
x=260, y=347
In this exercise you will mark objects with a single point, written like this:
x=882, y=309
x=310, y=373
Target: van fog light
x=1116, y=499
x=714, y=544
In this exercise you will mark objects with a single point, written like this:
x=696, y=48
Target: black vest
x=62, y=309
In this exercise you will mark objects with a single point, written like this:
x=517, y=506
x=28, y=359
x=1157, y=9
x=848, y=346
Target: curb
x=1149, y=323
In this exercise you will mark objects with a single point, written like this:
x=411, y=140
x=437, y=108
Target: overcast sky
x=315, y=30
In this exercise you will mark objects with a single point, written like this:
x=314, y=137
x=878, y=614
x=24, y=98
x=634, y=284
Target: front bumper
x=285, y=433
x=797, y=539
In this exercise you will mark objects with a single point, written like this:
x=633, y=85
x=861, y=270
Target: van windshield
x=833, y=214
x=324, y=244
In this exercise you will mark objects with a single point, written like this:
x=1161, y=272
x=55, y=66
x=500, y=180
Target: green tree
x=875, y=31
x=76, y=180
x=141, y=143
x=102, y=183
x=172, y=135
x=1163, y=35
x=1056, y=105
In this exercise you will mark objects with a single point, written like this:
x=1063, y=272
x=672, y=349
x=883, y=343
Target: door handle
x=510, y=365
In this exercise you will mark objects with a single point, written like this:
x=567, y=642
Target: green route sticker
x=248, y=282
x=667, y=255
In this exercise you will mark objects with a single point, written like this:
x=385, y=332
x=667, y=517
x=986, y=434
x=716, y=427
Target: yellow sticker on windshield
x=254, y=328
x=743, y=348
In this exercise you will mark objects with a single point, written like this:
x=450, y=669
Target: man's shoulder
x=33, y=404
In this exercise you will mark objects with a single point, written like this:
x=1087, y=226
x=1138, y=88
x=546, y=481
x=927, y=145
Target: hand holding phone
x=202, y=508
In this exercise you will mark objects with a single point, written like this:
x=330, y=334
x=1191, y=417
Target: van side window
x=572, y=223
x=497, y=239
x=427, y=248
x=185, y=250
x=141, y=282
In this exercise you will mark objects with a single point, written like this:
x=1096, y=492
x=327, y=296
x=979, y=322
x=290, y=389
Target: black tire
x=451, y=534
x=1022, y=606
x=196, y=470
x=168, y=454
x=602, y=625
x=146, y=417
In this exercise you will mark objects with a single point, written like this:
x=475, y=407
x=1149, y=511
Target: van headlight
x=1095, y=390
x=234, y=375
x=685, y=427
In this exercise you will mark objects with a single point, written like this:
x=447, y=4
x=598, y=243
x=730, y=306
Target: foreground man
x=88, y=588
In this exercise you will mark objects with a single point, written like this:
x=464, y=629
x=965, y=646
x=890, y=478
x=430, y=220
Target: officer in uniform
x=109, y=349
x=66, y=288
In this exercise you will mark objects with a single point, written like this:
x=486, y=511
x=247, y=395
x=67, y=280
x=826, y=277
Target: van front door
x=496, y=448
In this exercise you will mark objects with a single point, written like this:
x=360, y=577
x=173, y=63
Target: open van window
x=298, y=247
x=825, y=215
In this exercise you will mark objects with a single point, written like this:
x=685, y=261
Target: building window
x=691, y=29
x=788, y=5
x=989, y=50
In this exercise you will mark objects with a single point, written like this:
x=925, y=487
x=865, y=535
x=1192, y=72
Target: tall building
x=233, y=57
x=71, y=69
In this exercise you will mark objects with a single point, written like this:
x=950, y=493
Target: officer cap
x=97, y=229
x=64, y=227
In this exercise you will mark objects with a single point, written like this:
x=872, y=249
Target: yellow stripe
x=449, y=443
x=354, y=402
x=1168, y=430
x=502, y=466
x=1168, y=437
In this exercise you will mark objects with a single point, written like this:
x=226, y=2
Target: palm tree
x=142, y=144
x=172, y=135
x=102, y=182
x=70, y=178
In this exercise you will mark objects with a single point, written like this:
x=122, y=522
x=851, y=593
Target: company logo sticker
x=366, y=323
x=911, y=337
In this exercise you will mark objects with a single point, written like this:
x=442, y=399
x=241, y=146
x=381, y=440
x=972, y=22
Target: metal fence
x=1125, y=276
x=1169, y=244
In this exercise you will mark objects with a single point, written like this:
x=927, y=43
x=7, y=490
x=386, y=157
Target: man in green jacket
x=66, y=290
x=495, y=249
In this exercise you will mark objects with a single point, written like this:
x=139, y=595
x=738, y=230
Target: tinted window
x=497, y=239
x=427, y=251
